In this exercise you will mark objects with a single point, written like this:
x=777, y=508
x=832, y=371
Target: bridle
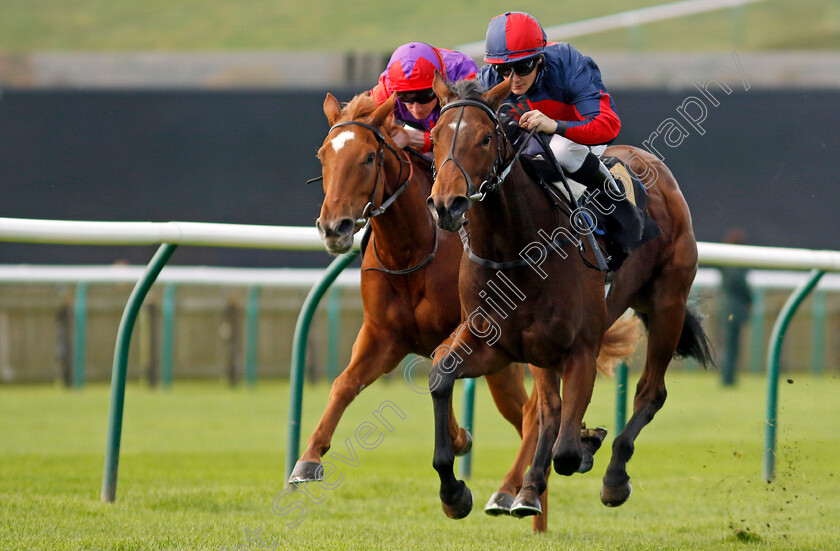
x=369, y=212
x=496, y=176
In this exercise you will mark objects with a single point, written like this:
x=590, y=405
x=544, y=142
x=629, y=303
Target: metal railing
x=171, y=234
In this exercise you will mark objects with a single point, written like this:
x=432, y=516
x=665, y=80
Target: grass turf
x=202, y=464
x=370, y=25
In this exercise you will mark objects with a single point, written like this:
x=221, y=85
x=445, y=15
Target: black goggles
x=416, y=96
x=522, y=68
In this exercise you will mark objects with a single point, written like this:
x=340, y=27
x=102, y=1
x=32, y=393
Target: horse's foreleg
x=455, y=497
x=664, y=329
x=578, y=381
x=373, y=355
x=546, y=387
x=451, y=363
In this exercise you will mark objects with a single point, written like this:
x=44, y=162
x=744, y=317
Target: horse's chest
x=542, y=331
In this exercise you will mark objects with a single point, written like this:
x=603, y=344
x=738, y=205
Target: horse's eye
x=370, y=158
x=486, y=140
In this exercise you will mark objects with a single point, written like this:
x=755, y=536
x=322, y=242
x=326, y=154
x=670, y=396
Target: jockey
x=562, y=95
x=410, y=73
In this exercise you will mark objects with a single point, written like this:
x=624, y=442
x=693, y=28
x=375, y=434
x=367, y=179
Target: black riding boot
x=621, y=221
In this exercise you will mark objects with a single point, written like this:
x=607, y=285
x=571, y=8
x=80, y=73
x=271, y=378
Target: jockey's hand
x=537, y=119
x=410, y=137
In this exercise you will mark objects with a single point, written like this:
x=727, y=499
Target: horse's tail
x=620, y=341
x=694, y=342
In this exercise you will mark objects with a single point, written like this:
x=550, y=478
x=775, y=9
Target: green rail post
x=333, y=335
x=298, y=366
x=251, y=333
x=818, y=333
x=79, y=330
x=757, y=330
x=620, y=397
x=467, y=422
x=774, y=354
x=115, y=415
x=168, y=346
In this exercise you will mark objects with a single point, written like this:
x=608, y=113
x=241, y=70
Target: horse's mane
x=362, y=106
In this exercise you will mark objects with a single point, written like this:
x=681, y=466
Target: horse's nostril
x=459, y=206
x=345, y=227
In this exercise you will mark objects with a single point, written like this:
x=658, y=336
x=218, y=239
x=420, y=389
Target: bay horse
x=409, y=281
x=558, y=319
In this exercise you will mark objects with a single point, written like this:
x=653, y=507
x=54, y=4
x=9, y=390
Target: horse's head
x=468, y=147
x=353, y=166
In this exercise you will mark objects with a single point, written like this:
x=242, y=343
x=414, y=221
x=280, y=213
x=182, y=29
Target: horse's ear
x=442, y=90
x=381, y=113
x=332, y=109
x=498, y=94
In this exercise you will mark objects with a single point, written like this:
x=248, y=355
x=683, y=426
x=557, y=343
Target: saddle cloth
x=623, y=177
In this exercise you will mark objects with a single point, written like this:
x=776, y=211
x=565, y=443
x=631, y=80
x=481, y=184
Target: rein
x=491, y=183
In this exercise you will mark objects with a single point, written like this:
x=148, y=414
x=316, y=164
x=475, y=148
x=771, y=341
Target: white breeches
x=571, y=154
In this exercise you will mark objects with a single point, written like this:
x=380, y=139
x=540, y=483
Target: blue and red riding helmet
x=513, y=36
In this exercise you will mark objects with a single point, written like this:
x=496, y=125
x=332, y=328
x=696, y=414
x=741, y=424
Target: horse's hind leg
x=528, y=500
x=373, y=355
x=508, y=390
x=664, y=329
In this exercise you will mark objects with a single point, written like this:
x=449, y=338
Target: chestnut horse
x=409, y=281
x=558, y=311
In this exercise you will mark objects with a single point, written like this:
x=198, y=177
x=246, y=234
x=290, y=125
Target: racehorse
x=558, y=319
x=409, y=279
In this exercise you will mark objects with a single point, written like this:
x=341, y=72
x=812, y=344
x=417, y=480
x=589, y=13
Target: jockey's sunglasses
x=522, y=68
x=416, y=96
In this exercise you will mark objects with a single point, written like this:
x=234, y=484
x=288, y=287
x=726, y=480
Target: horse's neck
x=405, y=231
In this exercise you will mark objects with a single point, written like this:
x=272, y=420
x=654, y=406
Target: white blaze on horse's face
x=454, y=125
x=339, y=141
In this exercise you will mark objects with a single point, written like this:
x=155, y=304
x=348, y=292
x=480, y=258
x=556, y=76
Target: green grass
x=371, y=25
x=202, y=463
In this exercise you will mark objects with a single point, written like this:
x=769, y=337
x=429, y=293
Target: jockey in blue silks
x=561, y=93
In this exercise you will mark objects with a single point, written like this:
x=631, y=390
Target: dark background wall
x=765, y=163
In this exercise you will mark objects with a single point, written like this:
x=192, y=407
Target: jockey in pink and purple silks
x=410, y=73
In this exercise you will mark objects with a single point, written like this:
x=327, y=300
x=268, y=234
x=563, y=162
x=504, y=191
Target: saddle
x=624, y=223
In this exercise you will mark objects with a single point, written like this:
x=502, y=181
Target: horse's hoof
x=613, y=496
x=526, y=505
x=461, y=506
x=306, y=471
x=586, y=463
x=499, y=504
x=467, y=446
x=592, y=438
x=567, y=464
